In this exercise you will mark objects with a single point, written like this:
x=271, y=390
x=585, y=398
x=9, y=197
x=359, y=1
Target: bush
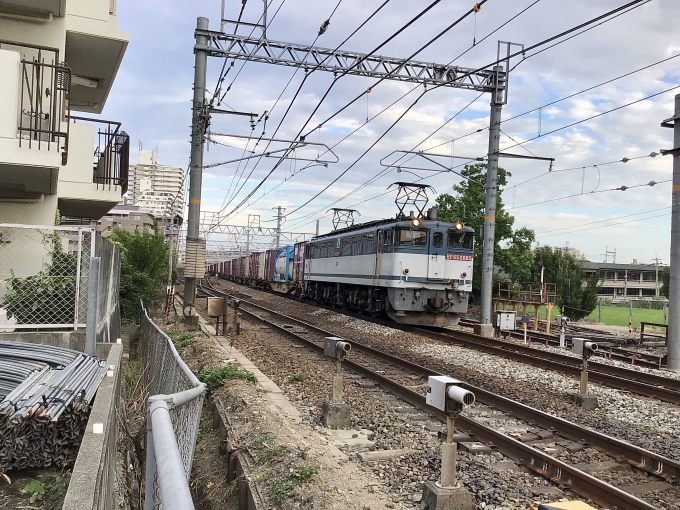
x=143, y=267
x=48, y=297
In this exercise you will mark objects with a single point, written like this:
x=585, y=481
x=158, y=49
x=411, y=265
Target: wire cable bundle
x=46, y=392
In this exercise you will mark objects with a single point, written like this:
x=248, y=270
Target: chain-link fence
x=173, y=416
x=44, y=274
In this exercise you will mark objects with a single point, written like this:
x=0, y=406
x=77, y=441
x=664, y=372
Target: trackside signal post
x=674, y=284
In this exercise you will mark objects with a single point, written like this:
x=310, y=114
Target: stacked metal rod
x=46, y=394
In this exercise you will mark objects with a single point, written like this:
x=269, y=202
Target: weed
x=132, y=375
x=266, y=438
x=216, y=377
x=298, y=378
x=276, y=381
x=302, y=453
x=270, y=453
x=181, y=340
x=237, y=404
x=54, y=486
x=232, y=490
x=204, y=428
x=305, y=474
x=280, y=490
x=35, y=488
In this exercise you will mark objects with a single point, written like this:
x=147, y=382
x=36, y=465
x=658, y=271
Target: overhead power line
x=278, y=163
x=534, y=46
x=599, y=221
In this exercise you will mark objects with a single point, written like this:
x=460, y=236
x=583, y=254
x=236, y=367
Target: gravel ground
x=641, y=421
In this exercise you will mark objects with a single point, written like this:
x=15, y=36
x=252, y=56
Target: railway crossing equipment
x=335, y=414
x=585, y=349
x=446, y=394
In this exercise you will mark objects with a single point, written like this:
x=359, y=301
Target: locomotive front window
x=461, y=240
x=410, y=237
x=438, y=240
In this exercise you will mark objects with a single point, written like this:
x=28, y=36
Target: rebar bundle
x=46, y=395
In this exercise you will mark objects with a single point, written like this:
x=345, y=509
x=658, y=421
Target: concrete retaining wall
x=93, y=480
x=67, y=339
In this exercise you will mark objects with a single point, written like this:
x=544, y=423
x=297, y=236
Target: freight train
x=415, y=270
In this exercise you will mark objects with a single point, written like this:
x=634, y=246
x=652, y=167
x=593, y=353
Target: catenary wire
x=345, y=72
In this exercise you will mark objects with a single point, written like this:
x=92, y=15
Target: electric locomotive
x=416, y=270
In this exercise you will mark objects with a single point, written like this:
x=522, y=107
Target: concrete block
x=335, y=415
x=587, y=402
x=449, y=498
x=485, y=330
x=383, y=455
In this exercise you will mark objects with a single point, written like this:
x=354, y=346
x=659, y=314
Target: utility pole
x=497, y=101
x=279, y=217
x=674, y=284
x=198, y=124
x=656, y=280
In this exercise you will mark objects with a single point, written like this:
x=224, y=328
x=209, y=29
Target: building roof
x=612, y=266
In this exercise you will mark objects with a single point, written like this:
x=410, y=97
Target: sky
x=574, y=203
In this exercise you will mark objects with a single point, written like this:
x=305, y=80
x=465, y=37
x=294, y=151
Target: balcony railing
x=111, y=154
x=44, y=98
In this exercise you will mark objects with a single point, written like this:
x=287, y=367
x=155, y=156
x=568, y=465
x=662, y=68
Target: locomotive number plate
x=453, y=256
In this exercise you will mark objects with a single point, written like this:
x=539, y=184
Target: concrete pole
x=490, y=206
x=92, y=307
x=448, y=470
x=196, y=166
x=674, y=285
x=317, y=227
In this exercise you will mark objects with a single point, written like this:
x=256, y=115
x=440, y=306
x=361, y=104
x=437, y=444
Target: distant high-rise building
x=156, y=189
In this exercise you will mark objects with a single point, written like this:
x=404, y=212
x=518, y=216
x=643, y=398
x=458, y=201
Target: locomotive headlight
x=459, y=226
x=417, y=294
x=415, y=222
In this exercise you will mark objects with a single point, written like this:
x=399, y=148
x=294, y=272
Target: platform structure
x=537, y=295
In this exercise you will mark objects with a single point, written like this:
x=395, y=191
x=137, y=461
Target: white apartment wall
x=51, y=34
x=41, y=212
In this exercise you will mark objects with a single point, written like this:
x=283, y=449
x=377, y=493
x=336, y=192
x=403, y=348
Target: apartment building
x=58, y=63
x=127, y=217
x=155, y=188
x=621, y=281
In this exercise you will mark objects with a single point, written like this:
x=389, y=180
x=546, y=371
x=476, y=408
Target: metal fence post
x=78, y=267
x=92, y=308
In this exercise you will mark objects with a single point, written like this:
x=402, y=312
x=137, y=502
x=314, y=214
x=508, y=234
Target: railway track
x=637, y=382
x=610, y=352
x=530, y=448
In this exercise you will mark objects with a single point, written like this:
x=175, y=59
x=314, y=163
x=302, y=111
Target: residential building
x=58, y=62
x=155, y=188
x=622, y=281
x=127, y=217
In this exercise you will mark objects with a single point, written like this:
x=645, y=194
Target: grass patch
x=298, y=378
x=280, y=491
x=204, y=428
x=182, y=340
x=618, y=316
x=216, y=377
x=266, y=438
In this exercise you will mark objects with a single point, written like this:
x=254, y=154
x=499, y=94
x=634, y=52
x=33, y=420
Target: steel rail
x=642, y=383
x=640, y=458
x=541, y=463
x=634, y=358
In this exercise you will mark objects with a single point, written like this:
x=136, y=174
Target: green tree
x=567, y=273
x=666, y=281
x=513, y=247
x=143, y=267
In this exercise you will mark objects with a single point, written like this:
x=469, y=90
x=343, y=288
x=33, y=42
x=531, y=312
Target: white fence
x=173, y=416
x=44, y=274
